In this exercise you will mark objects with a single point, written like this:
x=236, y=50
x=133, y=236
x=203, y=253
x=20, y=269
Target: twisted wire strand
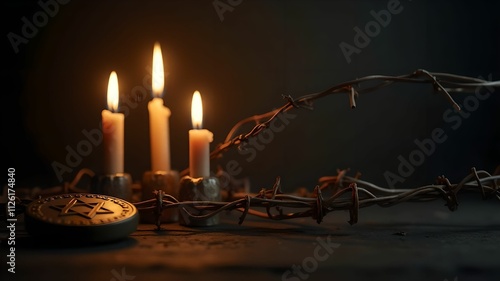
x=348, y=193
x=353, y=195
x=443, y=83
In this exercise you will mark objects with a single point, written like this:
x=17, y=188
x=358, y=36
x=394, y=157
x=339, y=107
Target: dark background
x=55, y=85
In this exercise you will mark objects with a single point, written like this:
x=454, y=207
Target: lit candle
x=158, y=117
x=113, y=130
x=199, y=141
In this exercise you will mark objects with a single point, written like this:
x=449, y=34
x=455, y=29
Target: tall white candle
x=113, y=129
x=199, y=141
x=158, y=117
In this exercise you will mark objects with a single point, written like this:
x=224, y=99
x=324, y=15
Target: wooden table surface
x=409, y=241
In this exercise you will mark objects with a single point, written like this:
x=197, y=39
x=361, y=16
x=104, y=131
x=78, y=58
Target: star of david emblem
x=89, y=211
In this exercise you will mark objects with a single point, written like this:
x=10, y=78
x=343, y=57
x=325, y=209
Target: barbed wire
x=443, y=83
x=348, y=193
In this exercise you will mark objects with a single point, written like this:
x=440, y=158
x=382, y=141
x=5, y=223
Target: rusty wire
x=443, y=83
x=348, y=193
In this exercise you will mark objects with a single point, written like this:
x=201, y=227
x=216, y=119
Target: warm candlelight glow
x=158, y=117
x=158, y=72
x=112, y=129
x=199, y=141
x=113, y=96
x=196, y=111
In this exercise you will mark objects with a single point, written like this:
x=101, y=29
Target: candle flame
x=113, y=96
x=158, y=72
x=196, y=110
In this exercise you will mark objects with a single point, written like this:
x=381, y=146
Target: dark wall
x=242, y=60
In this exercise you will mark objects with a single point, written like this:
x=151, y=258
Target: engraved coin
x=81, y=217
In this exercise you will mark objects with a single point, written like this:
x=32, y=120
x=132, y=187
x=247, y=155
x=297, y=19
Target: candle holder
x=117, y=185
x=198, y=189
x=166, y=181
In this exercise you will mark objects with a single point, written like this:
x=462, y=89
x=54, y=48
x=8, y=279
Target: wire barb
x=362, y=194
x=443, y=83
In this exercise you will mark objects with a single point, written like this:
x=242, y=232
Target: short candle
x=113, y=129
x=199, y=141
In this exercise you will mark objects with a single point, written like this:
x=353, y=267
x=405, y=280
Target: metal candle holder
x=166, y=181
x=117, y=185
x=198, y=189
